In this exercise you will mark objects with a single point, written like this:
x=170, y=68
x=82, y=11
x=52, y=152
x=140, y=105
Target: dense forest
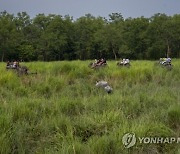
x=55, y=37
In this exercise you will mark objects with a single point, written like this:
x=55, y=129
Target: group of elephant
x=164, y=62
x=123, y=63
x=23, y=70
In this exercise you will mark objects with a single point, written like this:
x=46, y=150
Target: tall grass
x=60, y=110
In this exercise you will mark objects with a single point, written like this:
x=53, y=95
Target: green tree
x=115, y=17
x=85, y=29
x=27, y=37
x=41, y=22
x=57, y=38
x=8, y=33
x=163, y=34
x=134, y=36
x=54, y=37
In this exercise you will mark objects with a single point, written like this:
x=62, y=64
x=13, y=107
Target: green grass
x=60, y=110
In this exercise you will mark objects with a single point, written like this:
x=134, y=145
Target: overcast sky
x=78, y=8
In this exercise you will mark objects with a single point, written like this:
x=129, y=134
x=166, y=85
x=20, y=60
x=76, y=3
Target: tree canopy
x=55, y=37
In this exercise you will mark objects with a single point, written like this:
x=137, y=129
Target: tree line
x=55, y=37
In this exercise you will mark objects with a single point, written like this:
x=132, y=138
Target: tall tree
x=41, y=22
x=134, y=36
x=84, y=31
x=8, y=35
x=161, y=30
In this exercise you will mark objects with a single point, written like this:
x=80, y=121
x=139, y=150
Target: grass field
x=60, y=110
